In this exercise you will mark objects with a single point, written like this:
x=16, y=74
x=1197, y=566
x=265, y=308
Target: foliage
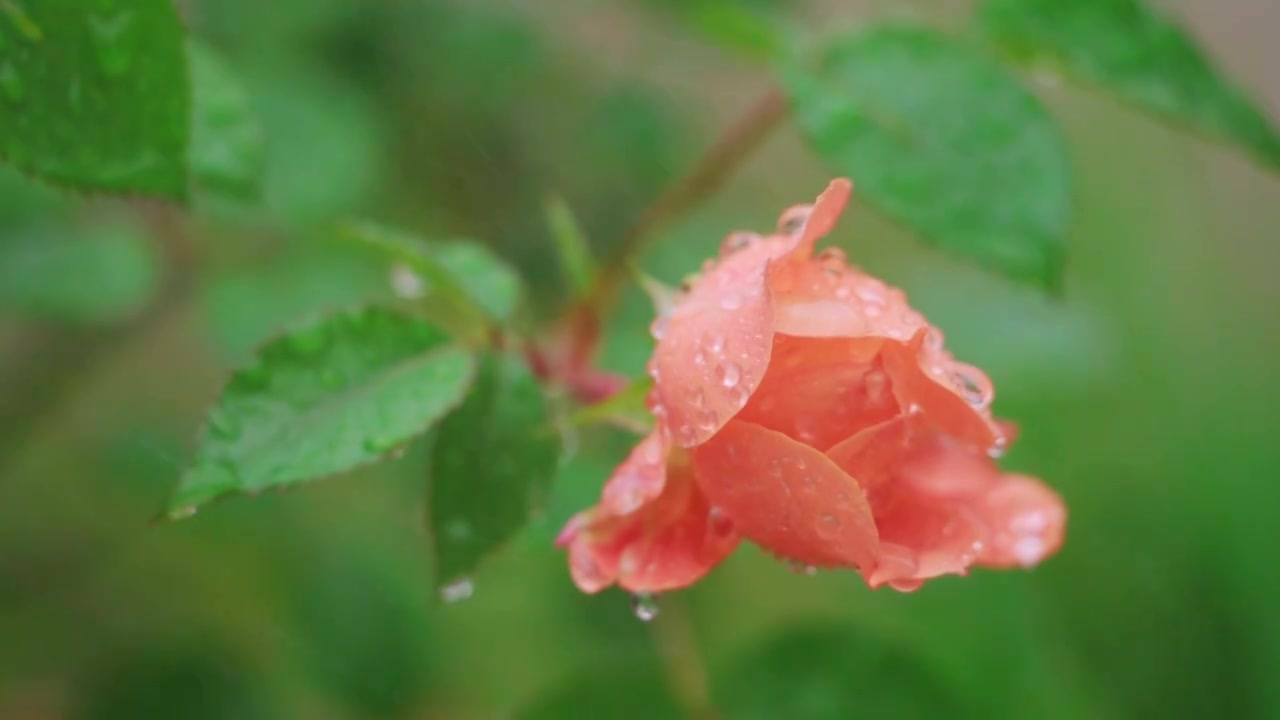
x=373, y=227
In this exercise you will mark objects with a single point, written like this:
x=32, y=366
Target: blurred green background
x=1146, y=392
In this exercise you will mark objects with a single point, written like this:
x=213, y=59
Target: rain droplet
x=730, y=374
x=224, y=425
x=659, y=327
x=794, y=218
x=997, y=449
x=737, y=241
x=974, y=386
x=800, y=568
x=110, y=36
x=828, y=526
x=707, y=420
x=684, y=435
x=11, y=83
x=843, y=292
x=644, y=606
x=310, y=341
x=718, y=522
x=457, y=591
x=717, y=344
x=379, y=444
x=700, y=358
x=457, y=530
x=406, y=283
x=731, y=301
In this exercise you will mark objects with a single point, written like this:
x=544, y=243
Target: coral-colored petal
x=1027, y=522
x=786, y=496
x=822, y=390
x=653, y=529
x=713, y=346
x=917, y=381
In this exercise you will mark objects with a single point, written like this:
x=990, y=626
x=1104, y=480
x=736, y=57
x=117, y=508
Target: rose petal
x=714, y=345
x=821, y=390
x=1027, y=522
x=786, y=496
x=919, y=390
x=940, y=507
x=653, y=529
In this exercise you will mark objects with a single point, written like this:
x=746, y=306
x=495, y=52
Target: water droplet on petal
x=729, y=373
x=659, y=327
x=997, y=449
x=717, y=344
x=700, y=358
x=793, y=219
x=731, y=301
x=737, y=241
x=800, y=568
x=644, y=606
x=828, y=527
x=457, y=591
x=718, y=522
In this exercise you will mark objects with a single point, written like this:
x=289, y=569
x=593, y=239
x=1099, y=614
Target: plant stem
x=738, y=141
x=682, y=659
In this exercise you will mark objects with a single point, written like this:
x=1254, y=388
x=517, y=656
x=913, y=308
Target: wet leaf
x=228, y=151
x=99, y=275
x=1129, y=49
x=945, y=141
x=94, y=95
x=492, y=465
x=323, y=398
x=832, y=673
x=460, y=275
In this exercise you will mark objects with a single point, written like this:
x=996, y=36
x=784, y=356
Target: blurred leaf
x=752, y=28
x=627, y=692
x=945, y=141
x=460, y=275
x=831, y=672
x=192, y=684
x=492, y=466
x=625, y=409
x=100, y=275
x=361, y=630
x=572, y=248
x=1129, y=49
x=324, y=398
x=228, y=152
x=325, y=154
x=246, y=305
x=95, y=95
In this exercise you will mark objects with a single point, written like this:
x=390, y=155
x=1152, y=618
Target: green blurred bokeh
x=1146, y=393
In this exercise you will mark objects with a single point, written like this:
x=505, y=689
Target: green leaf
x=460, y=276
x=751, y=28
x=831, y=672
x=944, y=140
x=625, y=409
x=324, y=398
x=228, y=152
x=1129, y=49
x=492, y=466
x=94, y=95
x=101, y=275
x=572, y=247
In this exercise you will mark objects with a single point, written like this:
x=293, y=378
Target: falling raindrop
x=457, y=591
x=644, y=606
